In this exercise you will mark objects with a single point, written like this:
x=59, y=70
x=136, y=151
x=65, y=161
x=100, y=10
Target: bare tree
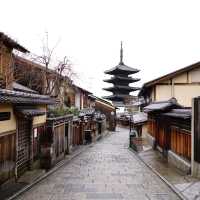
x=45, y=73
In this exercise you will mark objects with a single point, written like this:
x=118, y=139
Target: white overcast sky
x=159, y=36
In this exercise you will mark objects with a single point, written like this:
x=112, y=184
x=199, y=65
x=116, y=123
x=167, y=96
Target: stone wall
x=179, y=162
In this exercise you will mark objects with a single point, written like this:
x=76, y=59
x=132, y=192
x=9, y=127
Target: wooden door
x=66, y=138
x=7, y=157
x=24, y=142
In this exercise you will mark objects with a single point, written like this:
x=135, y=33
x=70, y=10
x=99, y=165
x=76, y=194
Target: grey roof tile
x=16, y=97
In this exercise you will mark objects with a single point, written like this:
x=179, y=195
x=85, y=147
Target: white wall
x=77, y=100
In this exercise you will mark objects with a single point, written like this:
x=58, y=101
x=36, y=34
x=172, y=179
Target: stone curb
x=55, y=168
x=171, y=186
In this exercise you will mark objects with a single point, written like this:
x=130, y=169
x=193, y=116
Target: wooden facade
x=78, y=132
x=7, y=156
x=57, y=141
x=109, y=111
x=196, y=125
x=151, y=124
x=22, y=114
x=180, y=142
x=171, y=133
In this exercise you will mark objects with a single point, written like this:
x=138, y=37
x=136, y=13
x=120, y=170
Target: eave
x=121, y=88
x=121, y=69
x=121, y=79
x=117, y=97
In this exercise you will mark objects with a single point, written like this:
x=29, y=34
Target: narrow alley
x=106, y=171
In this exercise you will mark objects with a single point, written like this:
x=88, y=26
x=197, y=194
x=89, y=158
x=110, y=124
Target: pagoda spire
x=121, y=54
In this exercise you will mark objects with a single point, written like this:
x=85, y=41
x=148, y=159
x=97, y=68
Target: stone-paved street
x=106, y=171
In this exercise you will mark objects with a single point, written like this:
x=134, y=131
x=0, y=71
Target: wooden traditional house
x=139, y=123
x=22, y=118
x=32, y=75
x=107, y=109
x=82, y=99
x=57, y=140
x=183, y=84
x=169, y=131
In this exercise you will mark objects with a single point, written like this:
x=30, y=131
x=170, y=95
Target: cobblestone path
x=106, y=171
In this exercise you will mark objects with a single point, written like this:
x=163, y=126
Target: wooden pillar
x=195, y=137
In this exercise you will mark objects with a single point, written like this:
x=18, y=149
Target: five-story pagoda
x=121, y=81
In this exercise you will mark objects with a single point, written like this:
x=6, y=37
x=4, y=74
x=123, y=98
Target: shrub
x=60, y=111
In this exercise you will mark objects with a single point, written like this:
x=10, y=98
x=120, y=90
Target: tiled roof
x=87, y=111
x=101, y=100
x=11, y=43
x=30, y=112
x=162, y=105
x=19, y=87
x=16, y=97
x=121, y=78
x=117, y=97
x=122, y=68
x=140, y=117
x=122, y=87
x=179, y=113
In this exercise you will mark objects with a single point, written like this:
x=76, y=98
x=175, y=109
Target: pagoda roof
x=121, y=68
x=121, y=87
x=121, y=78
x=117, y=97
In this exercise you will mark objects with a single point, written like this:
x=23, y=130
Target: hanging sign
x=4, y=116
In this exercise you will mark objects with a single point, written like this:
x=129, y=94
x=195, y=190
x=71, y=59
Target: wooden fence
x=77, y=138
x=151, y=127
x=59, y=139
x=160, y=135
x=180, y=142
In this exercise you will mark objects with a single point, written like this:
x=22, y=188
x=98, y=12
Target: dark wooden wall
x=197, y=129
x=7, y=156
x=171, y=134
x=180, y=142
x=151, y=126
